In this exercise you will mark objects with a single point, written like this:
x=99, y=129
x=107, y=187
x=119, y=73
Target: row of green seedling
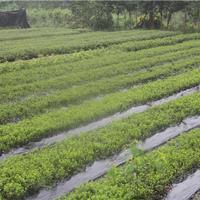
x=22, y=174
x=149, y=176
x=31, y=48
x=47, y=72
x=94, y=58
x=27, y=130
x=17, y=34
x=136, y=45
x=44, y=73
x=11, y=93
x=75, y=95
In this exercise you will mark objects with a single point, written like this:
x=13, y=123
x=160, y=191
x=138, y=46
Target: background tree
x=94, y=14
x=171, y=7
x=193, y=10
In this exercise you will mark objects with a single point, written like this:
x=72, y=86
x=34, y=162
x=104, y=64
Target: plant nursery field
x=99, y=115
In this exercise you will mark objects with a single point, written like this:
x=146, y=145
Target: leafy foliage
x=46, y=166
x=148, y=176
x=61, y=119
x=27, y=47
x=43, y=96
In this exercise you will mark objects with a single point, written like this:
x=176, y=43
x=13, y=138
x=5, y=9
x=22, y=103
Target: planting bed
x=76, y=103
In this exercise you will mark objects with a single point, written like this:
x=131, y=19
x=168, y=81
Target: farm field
x=71, y=98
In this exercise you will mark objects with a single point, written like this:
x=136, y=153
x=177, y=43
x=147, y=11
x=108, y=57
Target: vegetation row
x=24, y=174
x=32, y=106
x=149, y=176
x=27, y=130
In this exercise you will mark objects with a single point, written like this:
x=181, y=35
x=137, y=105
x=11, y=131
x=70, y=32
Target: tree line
x=141, y=14
x=109, y=15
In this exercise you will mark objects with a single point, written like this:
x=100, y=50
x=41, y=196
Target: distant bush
x=49, y=17
x=101, y=21
x=92, y=14
x=145, y=22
